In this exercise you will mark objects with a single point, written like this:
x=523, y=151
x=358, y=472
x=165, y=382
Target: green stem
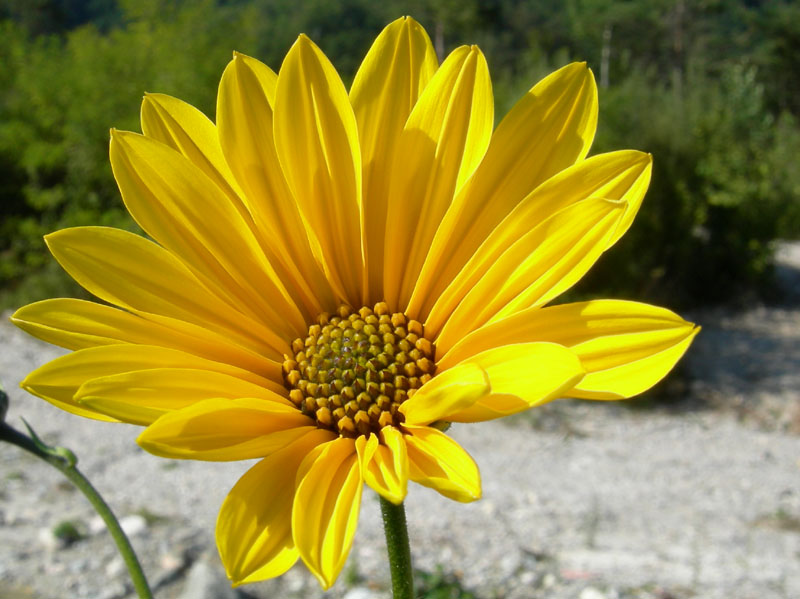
x=396, y=530
x=64, y=460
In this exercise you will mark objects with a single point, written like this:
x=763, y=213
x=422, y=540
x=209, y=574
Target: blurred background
x=710, y=87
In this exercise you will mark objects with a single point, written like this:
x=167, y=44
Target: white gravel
x=587, y=501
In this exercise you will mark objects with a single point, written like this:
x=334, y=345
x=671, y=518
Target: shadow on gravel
x=745, y=360
x=787, y=274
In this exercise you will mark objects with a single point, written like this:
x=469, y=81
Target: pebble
x=133, y=525
x=171, y=562
x=363, y=593
x=294, y=582
x=48, y=540
x=207, y=582
x=96, y=525
x=549, y=580
x=115, y=590
x=115, y=567
x=591, y=593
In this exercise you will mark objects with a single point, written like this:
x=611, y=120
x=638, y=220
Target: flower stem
x=396, y=530
x=64, y=460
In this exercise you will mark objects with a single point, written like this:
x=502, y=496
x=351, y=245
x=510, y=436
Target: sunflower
x=333, y=278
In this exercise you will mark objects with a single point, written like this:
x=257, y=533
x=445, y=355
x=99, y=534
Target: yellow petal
x=622, y=175
x=225, y=430
x=521, y=376
x=451, y=391
x=548, y=130
x=184, y=128
x=396, y=69
x=142, y=396
x=254, y=533
x=637, y=184
x=384, y=463
x=625, y=347
x=78, y=324
x=187, y=130
x=620, y=368
x=326, y=505
x=244, y=119
x=134, y=273
x=539, y=266
x=59, y=380
x=245, y=122
x=627, y=177
x=317, y=143
x=442, y=143
x=438, y=462
x=177, y=204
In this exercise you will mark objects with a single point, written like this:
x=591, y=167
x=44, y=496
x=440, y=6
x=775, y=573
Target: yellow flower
x=334, y=276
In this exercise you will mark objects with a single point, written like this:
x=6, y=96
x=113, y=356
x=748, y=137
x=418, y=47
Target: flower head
x=334, y=275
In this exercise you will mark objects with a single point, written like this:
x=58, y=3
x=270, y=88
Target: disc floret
x=355, y=368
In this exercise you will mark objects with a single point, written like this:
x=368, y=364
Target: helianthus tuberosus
x=334, y=275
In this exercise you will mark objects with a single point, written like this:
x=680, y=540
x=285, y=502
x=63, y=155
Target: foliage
x=68, y=532
x=721, y=189
x=439, y=585
x=710, y=90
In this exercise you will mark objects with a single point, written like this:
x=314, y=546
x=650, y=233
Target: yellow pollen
x=355, y=368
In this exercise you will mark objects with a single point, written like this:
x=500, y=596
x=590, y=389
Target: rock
x=63, y=534
x=48, y=540
x=549, y=580
x=96, y=525
x=133, y=525
x=115, y=590
x=591, y=593
x=509, y=564
x=207, y=582
x=171, y=562
x=115, y=567
x=362, y=593
x=295, y=582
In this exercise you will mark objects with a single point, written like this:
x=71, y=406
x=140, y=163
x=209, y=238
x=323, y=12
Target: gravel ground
x=698, y=497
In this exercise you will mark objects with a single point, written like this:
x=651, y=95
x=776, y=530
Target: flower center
x=354, y=369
